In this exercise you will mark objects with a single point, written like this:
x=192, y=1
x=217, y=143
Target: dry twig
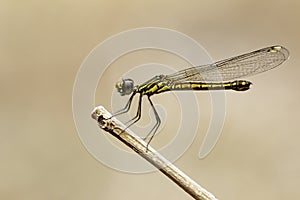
x=116, y=128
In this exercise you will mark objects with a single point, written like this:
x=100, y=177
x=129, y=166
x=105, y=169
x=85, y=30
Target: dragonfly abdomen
x=238, y=85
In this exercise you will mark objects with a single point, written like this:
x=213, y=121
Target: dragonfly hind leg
x=138, y=115
x=156, y=126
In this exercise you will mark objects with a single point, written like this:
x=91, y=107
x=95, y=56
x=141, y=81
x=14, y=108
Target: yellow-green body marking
x=159, y=84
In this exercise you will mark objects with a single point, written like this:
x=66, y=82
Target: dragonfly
x=220, y=75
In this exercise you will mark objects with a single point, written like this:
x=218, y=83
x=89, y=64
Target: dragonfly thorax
x=125, y=87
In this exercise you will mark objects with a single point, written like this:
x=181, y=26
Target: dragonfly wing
x=190, y=74
x=240, y=66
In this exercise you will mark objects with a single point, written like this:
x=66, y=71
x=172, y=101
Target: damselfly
x=214, y=76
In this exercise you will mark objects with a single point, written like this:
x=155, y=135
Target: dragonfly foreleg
x=126, y=108
x=138, y=113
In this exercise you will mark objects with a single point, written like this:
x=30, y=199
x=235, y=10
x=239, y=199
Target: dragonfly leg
x=157, y=124
x=138, y=113
x=126, y=108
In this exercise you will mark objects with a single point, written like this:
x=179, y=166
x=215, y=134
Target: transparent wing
x=240, y=66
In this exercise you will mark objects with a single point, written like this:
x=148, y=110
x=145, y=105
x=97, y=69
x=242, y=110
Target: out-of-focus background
x=42, y=45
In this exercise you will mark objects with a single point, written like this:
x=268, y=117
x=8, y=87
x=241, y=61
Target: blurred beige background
x=42, y=45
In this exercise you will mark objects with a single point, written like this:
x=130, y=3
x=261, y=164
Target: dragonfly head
x=125, y=87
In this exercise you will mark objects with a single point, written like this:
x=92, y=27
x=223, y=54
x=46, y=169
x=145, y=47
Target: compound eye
x=125, y=86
